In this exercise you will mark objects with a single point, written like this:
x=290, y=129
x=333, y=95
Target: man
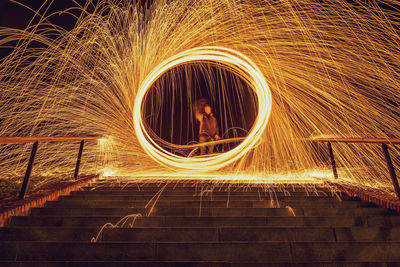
x=208, y=129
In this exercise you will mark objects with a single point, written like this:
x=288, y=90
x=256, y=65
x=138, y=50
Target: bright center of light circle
x=233, y=61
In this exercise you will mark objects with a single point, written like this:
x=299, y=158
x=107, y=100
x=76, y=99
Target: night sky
x=16, y=16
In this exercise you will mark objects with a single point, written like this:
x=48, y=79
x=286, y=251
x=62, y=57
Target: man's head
x=207, y=109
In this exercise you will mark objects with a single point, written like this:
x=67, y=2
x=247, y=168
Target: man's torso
x=209, y=126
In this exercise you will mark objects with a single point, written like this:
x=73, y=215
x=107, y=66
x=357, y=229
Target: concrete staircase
x=202, y=224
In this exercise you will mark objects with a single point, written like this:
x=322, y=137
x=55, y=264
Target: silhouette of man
x=208, y=128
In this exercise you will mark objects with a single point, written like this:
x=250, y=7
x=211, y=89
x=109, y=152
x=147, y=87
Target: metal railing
x=385, y=149
x=45, y=139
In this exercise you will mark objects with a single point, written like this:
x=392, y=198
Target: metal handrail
x=383, y=141
x=45, y=139
x=360, y=140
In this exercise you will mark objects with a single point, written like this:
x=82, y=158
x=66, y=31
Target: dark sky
x=16, y=16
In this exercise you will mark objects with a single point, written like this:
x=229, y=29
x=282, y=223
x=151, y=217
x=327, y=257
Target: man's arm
x=199, y=117
x=217, y=137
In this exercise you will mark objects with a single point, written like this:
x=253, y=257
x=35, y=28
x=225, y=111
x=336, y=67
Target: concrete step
x=189, y=197
x=193, y=193
x=70, y=202
x=199, y=189
x=67, y=211
x=355, y=234
x=190, y=263
x=228, y=225
x=168, y=234
x=204, y=221
x=202, y=251
x=219, y=186
x=182, y=211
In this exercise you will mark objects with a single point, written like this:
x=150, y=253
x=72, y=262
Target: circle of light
x=234, y=61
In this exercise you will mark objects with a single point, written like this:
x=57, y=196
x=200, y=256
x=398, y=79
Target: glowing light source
x=239, y=64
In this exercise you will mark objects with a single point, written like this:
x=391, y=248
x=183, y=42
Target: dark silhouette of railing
x=385, y=149
x=45, y=139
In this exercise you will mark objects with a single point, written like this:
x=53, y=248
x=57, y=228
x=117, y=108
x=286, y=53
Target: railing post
x=333, y=163
x=28, y=170
x=78, y=161
x=391, y=170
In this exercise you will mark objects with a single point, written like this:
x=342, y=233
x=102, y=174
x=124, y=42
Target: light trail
x=237, y=63
x=318, y=68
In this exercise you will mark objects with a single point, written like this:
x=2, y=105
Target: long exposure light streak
x=318, y=69
x=237, y=63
